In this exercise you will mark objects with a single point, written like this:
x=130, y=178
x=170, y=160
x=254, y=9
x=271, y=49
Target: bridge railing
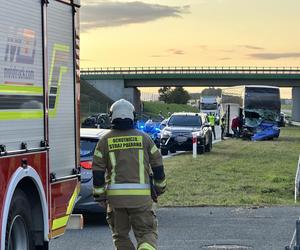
x=189, y=70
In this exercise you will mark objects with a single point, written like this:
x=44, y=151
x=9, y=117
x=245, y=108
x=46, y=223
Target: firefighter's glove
x=160, y=186
x=99, y=194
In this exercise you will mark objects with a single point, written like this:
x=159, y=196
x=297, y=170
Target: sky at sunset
x=190, y=33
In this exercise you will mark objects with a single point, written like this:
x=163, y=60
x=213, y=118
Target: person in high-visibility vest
x=212, y=121
x=125, y=163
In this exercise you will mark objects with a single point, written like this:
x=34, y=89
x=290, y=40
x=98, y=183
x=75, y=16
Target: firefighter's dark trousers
x=143, y=223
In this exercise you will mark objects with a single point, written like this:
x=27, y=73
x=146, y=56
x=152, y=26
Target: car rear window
x=87, y=147
x=185, y=121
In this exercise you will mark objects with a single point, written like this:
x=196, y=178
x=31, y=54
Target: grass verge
x=286, y=106
x=236, y=172
x=153, y=108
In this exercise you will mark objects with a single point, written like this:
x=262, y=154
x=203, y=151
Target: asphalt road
x=198, y=228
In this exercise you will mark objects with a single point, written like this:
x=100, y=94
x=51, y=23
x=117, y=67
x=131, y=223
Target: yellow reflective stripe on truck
x=23, y=90
x=60, y=222
x=57, y=57
x=24, y=113
x=62, y=70
x=21, y=115
x=73, y=199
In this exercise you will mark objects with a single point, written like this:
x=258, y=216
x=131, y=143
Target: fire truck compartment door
x=21, y=74
x=61, y=87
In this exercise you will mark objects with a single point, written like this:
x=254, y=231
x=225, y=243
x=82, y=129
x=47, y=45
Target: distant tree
x=195, y=96
x=179, y=95
x=211, y=91
x=164, y=94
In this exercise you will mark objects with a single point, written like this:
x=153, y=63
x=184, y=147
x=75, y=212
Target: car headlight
x=199, y=133
x=166, y=133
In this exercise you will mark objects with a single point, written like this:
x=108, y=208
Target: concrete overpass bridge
x=118, y=82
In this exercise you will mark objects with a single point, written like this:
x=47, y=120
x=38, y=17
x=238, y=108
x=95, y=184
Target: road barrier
x=194, y=135
x=296, y=235
x=297, y=181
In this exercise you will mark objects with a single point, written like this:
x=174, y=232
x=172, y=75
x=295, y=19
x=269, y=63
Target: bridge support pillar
x=296, y=104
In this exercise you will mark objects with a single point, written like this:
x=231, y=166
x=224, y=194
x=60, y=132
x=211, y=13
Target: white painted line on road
x=170, y=155
x=216, y=141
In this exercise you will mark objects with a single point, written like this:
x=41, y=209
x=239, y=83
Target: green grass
x=286, y=106
x=235, y=173
x=153, y=108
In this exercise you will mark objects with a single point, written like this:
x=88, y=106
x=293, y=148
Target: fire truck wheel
x=18, y=230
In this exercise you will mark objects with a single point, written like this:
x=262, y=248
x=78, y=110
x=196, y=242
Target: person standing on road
x=123, y=161
x=212, y=121
x=161, y=116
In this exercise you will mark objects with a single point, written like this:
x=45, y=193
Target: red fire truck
x=39, y=120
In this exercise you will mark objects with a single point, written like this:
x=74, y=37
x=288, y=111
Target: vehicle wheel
x=18, y=230
x=200, y=149
x=208, y=147
x=157, y=143
x=172, y=150
x=164, y=151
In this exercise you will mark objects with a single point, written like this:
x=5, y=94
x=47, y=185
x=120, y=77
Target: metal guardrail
x=190, y=70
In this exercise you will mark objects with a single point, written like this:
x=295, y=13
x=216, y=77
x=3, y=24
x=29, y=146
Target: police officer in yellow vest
x=123, y=160
x=212, y=121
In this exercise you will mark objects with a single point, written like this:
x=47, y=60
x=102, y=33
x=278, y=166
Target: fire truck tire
x=18, y=229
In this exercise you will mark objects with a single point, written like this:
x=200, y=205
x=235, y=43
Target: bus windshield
x=262, y=98
x=209, y=106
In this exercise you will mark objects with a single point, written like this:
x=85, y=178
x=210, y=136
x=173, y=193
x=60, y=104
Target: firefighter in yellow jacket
x=123, y=161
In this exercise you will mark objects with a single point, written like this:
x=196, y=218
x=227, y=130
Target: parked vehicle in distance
x=210, y=105
x=152, y=128
x=100, y=120
x=258, y=108
x=177, y=135
x=163, y=124
x=88, y=142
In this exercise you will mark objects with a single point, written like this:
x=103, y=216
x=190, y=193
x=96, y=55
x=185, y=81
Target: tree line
x=180, y=96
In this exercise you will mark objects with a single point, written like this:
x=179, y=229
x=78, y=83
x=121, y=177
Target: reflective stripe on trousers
x=128, y=189
x=146, y=246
